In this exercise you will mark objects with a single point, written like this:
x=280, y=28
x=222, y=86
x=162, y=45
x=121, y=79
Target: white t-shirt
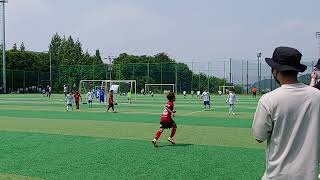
x=69, y=99
x=198, y=93
x=90, y=96
x=65, y=89
x=289, y=119
x=184, y=92
x=206, y=97
x=231, y=98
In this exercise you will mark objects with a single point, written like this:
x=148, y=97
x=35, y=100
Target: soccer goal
x=121, y=88
x=225, y=89
x=159, y=88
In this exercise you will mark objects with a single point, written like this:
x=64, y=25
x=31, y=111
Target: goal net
x=159, y=88
x=122, y=89
x=225, y=89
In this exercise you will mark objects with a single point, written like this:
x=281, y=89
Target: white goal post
x=131, y=86
x=223, y=88
x=146, y=87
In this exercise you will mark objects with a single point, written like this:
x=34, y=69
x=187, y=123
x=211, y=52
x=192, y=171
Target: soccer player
x=70, y=100
x=184, y=94
x=65, y=90
x=198, y=94
x=43, y=92
x=90, y=98
x=49, y=91
x=192, y=93
x=143, y=91
x=231, y=100
x=77, y=97
x=254, y=92
x=101, y=96
x=129, y=94
x=111, y=102
x=206, y=99
x=152, y=94
x=166, y=121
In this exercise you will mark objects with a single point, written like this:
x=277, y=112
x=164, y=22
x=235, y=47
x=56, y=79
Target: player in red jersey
x=77, y=97
x=166, y=121
x=111, y=102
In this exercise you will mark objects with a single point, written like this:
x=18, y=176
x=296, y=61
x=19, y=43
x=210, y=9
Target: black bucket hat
x=317, y=65
x=286, y=59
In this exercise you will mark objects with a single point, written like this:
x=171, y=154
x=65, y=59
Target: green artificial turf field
x=40, y=140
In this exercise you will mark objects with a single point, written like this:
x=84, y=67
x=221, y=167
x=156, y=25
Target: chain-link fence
x=187, y=76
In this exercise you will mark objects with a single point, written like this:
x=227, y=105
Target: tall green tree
x=14, y=48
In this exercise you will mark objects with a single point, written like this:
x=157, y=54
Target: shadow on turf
x=176, y=145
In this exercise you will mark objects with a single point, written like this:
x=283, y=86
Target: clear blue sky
x=199, y=30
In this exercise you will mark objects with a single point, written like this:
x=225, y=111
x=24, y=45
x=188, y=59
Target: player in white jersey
x=206, y=99
x=90, y=98
x=184, y=94
x=231, y=101
x=70, y=100
x=65, y=90
x=198, y=94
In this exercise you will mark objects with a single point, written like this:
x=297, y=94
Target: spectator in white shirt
x=288, y=119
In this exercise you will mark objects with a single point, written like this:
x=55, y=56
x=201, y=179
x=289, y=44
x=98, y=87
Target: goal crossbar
x=173, y=86
x=113, y=81
x=224, y=88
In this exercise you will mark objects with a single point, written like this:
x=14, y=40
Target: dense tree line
x=29, y=68
x=70, y=64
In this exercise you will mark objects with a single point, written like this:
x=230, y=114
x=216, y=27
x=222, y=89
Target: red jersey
x=166, y=115
x=254, y=90
x=110, y=98
x=77, y=97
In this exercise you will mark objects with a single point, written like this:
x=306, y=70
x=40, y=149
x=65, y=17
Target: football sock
x=173, y=132
x=158, y=134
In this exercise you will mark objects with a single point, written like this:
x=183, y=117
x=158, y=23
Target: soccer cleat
x=154, y=142
x=171, y=140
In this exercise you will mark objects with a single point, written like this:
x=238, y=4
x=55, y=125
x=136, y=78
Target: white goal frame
x=113, y=81
x=224, y=88
x=173, y=86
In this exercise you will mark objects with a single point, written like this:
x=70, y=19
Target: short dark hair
x=170, y=96
x=289, y=73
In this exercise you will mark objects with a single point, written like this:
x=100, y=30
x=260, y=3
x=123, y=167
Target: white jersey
x=70, y=99
x=206, y=97
x=65, y=89
x=50, y=89
x=90, y=96
x=184, y=92
x=198, y=93
x=231, y=98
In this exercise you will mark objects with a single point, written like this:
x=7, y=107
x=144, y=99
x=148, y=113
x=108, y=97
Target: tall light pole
x=3, y=18
x=230, y=70
x=259, y=75
x=224, y=73
x=208, y=77
x=50, y=65
x=110, y=65
x=318, y=37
